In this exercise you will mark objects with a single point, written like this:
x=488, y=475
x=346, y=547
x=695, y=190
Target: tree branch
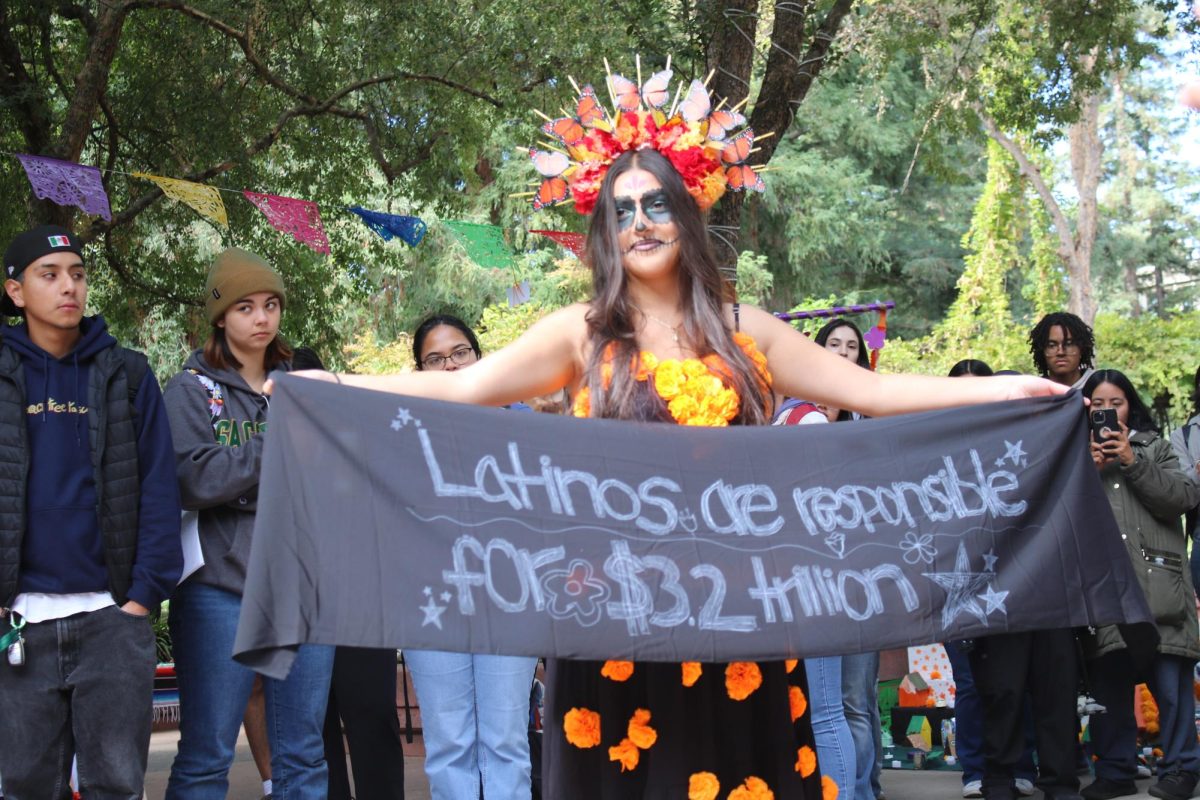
x=1066, y=241
x=131, y=279
x=19, y=88
x=92, y=80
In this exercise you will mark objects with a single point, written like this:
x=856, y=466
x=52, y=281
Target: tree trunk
x=1074, y=245
x=1126, y=175
x=791, y=70
x=1086, y=153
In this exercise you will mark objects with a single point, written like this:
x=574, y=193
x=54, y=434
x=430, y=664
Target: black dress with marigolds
x=619, y=730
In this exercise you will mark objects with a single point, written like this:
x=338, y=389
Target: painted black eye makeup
x=654, y=204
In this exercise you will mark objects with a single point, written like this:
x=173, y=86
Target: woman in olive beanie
x=218, y=420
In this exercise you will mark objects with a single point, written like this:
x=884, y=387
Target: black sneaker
x=1105, y=788
x=1175, y=786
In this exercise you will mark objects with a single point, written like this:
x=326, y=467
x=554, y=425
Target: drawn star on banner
x=994, y=600
x=962, y=588
x=989, y=560
x=433, y=614
x=1013, y=453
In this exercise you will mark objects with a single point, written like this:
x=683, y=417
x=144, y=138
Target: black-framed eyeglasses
x=463, y=355
x=1067, y=346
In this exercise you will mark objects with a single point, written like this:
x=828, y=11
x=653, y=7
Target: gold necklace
x=674, y=329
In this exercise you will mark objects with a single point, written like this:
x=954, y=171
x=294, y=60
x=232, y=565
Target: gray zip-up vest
x=113, y=439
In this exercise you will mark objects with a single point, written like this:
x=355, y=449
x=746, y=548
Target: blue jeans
x=860, y=696
x=475, y=719
x=835, y=744
x=1171, y=685
x=214, y=689
x=968, y=722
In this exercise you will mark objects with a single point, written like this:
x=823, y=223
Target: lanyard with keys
x=13, y=642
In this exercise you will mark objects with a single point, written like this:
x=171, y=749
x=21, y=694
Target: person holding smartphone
x=1149, y=494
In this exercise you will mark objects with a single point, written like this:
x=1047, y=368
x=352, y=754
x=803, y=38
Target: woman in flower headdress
x=662, y=340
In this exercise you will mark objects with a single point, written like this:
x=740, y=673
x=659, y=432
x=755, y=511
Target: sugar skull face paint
x=656, y=209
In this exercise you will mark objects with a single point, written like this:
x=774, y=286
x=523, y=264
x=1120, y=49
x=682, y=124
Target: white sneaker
x=1143, y=771
x=973, y=789
x=1024, y=787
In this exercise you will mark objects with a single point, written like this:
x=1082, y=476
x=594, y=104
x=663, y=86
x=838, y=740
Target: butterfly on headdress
x=739, y=175
x=655, y=92
x=570, y=130
x=551, y=165
x=696, y=106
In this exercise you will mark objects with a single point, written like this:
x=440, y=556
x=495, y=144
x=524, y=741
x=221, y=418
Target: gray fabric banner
x=390, y=521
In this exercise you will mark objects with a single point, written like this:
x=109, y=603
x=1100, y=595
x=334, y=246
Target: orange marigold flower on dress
x=582, y=727
x=582, y=407
x=691, y=674
x=806, y=761
x=668, y=379
x=829, y=788
x=644, y=364
x=606, y=373
x=797, y=701
x=703, y=786
x=791, y=664
x=639, y=730
x=742, y=679
x=617, y=670
x=685, y=410
x=695, y=368
x=626, y=752
x=752, y=789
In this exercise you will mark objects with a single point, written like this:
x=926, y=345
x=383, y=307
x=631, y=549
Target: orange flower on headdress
x=829, y=788
x=582, y=727
x=703, y=786
x=752, y=789
x=639, y=730
x=691, y=672
x=806, y=761
x=618, y=671
x=626, y=753
x=742, y=679
x=797, y=701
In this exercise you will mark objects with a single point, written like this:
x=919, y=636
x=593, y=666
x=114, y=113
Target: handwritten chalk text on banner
x=389, y=521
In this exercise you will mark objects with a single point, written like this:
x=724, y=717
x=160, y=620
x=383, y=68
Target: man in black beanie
x=89, y=533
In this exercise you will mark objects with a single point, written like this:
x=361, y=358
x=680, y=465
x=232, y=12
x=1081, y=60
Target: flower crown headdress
x=696, y=138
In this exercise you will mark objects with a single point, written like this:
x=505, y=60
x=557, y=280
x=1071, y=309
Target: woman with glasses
x=474, y=707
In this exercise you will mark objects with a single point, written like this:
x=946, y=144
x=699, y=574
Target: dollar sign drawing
x=636, y=604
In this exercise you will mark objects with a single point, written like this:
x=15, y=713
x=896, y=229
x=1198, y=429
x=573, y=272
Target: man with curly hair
x=1063, y=348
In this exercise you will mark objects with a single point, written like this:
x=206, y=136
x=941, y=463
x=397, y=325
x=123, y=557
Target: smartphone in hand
x=1101, y=420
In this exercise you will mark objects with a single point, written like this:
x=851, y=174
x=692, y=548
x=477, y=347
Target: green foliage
x=1159, y=355
x=369, y=356
x=754, y=279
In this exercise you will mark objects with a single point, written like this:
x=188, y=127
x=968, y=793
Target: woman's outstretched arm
x=801, y=368
x=544, y=359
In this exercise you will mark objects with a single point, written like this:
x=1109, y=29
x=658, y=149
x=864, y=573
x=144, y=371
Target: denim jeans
x=86, y=689
x=213, y=690
x=860, y=697
x=1171, y=685
x=475, y=718
x=835, y=744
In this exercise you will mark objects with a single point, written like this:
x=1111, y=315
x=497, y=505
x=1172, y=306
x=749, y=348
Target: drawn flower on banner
x=575, y=592
x=918, y=548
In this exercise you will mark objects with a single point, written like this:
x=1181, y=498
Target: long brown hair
x=612, y=317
